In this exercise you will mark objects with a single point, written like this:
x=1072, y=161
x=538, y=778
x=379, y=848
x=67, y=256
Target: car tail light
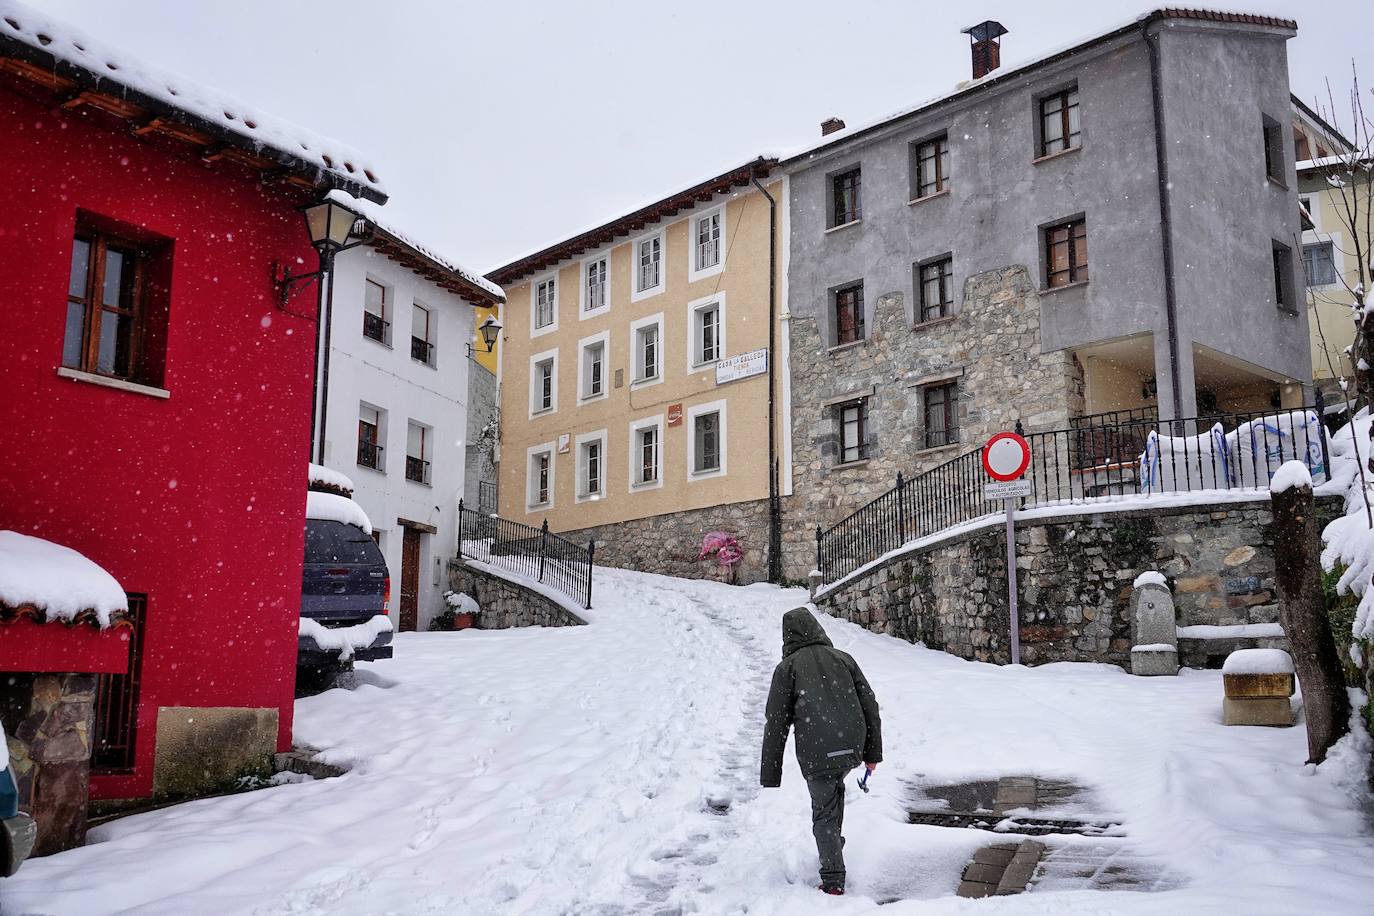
x=386, y=594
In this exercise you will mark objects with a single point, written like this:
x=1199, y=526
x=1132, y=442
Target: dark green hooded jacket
x=821, y=691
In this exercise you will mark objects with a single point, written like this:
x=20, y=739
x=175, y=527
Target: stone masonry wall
x=990, y=347
x=49, y=721
x=1075, y=577
x=669, y=544
x=505, y=604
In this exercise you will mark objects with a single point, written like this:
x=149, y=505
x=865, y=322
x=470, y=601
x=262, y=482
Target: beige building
x=636, y=362
x=1330, y=264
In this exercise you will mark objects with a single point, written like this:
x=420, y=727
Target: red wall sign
x=674, y=414
x=1006, y=456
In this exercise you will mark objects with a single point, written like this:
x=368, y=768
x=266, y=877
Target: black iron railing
x=375, y=326
x=1126, y=455
x=370, y=454
x=417, y=469
x=486, y=497
x=536, y=553
x=422, y=350
x=116, y=702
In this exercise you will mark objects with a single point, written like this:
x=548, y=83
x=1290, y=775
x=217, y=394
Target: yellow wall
x=744, y=283
x=479, y=346
x=1328, y=306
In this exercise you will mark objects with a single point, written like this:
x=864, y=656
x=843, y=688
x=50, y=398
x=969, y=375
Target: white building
x=395, y=417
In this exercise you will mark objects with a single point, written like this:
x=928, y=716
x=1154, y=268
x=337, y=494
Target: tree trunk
x=1302, y=611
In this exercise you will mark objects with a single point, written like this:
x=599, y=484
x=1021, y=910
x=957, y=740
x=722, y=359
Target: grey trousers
x=827, y=821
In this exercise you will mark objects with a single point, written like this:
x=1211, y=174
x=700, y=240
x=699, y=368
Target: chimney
x=830, y=125
x=987, y=46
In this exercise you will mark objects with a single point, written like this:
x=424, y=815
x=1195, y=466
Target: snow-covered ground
x=612, y=769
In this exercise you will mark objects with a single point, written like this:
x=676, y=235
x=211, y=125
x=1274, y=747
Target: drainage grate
x=1029, y=826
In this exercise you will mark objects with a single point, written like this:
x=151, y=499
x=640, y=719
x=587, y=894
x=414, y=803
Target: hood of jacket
x=800, y=629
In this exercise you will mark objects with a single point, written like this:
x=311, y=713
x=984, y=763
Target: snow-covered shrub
x=457, y=603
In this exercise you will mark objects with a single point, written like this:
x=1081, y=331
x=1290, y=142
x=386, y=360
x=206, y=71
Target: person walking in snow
x=821, y=691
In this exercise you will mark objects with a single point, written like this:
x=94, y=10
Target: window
x=539, y=483
x=844, y=197
x=545, y=304
x=112, y=326
x=1066, y=253
x=648, y=265
x=370, y=437
x=1059, y=127
x=852, y=417
x=647, y=334
x=937, y=289
x=595, y=291
x=1284, y=296
x=591, y=465
x=1273, y=149
x=708, y=236
x=418, y=439
x=930, y=167
x=544, y=382
x=849, y=314
x=706, y=446
x=1319, y=264
x=646, y=467
x=705, y=332
x=592, y=366
x=422, y=334
x=376, y=312
x=941, y=415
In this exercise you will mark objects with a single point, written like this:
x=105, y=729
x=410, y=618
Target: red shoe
x=833, y=890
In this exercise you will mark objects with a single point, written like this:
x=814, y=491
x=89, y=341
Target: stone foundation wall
x=990, y=348
x=49, y=722
x=505, y=604
x=1075, y=576
x=669, y=544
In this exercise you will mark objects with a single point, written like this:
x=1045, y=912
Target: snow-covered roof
x=330, y=478
x=56, y=582
x=69, y=52
x=1019, y=68
x=329, y=507
x=442, y=263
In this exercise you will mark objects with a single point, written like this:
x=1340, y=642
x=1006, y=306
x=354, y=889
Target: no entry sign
x=1006, y=456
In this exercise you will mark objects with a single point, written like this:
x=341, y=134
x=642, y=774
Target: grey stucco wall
x=482, y=410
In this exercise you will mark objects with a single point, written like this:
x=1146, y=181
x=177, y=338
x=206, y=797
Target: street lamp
x=490, y=329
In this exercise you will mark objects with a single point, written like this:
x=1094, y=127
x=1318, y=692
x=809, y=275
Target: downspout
x=326, y=265
x=774, y=504
x=1166, y=230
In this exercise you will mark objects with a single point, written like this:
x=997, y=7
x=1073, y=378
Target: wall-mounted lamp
x=491, y=329
x=1149, y=389
x=331, y=226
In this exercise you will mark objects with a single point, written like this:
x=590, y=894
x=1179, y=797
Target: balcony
x=417, y=469
x=422, y=350
x=370, y=454
x=375, y=327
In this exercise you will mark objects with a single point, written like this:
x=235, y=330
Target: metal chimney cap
x=985, y=31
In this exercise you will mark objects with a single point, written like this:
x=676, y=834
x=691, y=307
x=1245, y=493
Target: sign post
x=1005, y=458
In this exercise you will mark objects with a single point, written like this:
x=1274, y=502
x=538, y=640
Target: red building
x=155, y=392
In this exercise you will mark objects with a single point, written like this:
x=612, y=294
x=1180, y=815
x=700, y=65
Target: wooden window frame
x=592, y=482
x=595, y=276
x=650, y=450
x=1068, y=138
x=1309, y=262
x=848, y=181
x=713, y=236
x=1285, y=293
x=418, y=467
x=948, y=433
x=383, y=323
x=1273, y=135
x=939, y=153
x=943, y=306
x=858, y=451
x=849, y=297
x=698, y=442
x=546, y=294
x=1075, y=270
x=94, y=308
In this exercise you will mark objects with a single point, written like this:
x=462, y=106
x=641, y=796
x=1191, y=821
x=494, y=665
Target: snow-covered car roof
x=62, y=57
x=47, y=582
x=333, y=508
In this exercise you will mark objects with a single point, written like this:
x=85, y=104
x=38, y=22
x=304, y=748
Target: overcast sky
x=501, y=126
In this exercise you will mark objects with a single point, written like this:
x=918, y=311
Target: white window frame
x=693, y=273
x=635, y=327
x=655, y=422
x=530, y=484
x=581, y=495
x=604, y=338
x=636, y=294
x=534, y=303
x=536, y=409
x=692, y=413
x=583, y=312
x=694, y=308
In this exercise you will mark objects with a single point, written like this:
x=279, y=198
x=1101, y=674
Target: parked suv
x=18, y=832
x=345, y=584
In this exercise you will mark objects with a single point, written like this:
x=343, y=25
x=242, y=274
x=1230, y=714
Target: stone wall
x=479, y=451
x=505, y=604
x=669, y=544
x=1075, y=576
x=991, y=348
x=49, y=721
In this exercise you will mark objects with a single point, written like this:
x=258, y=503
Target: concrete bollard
x=814, y=579
x=1154, y=631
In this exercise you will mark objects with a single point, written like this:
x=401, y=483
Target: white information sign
x=745, y=365
x=1006, y=489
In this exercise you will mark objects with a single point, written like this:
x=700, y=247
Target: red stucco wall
x=197, y=500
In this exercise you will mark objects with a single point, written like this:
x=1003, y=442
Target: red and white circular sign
x=1006, y=456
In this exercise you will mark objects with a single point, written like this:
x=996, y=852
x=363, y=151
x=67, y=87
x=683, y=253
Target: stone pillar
x=50, y=722
x=1154, y=630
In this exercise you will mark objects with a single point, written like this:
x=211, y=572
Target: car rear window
x=335, y=542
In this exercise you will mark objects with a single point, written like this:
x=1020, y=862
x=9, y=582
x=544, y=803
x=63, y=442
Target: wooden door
x=410, y=579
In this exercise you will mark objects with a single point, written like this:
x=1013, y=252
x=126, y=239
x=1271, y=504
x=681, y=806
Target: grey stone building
x=1109, y=228
x=479, y=460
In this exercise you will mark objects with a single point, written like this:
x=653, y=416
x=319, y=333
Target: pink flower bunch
x=723, y=547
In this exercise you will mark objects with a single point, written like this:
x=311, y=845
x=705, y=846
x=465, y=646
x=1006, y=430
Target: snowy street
x=612, y=769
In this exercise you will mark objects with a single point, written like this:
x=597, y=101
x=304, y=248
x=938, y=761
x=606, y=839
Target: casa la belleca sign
x=745, y=365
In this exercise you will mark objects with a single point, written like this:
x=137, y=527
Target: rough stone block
x=1258, y=685
x=203, y=748
x=997, y=856
x=1275, y=711
x=984, y=874
x=975, y=889
x=1154, y=663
